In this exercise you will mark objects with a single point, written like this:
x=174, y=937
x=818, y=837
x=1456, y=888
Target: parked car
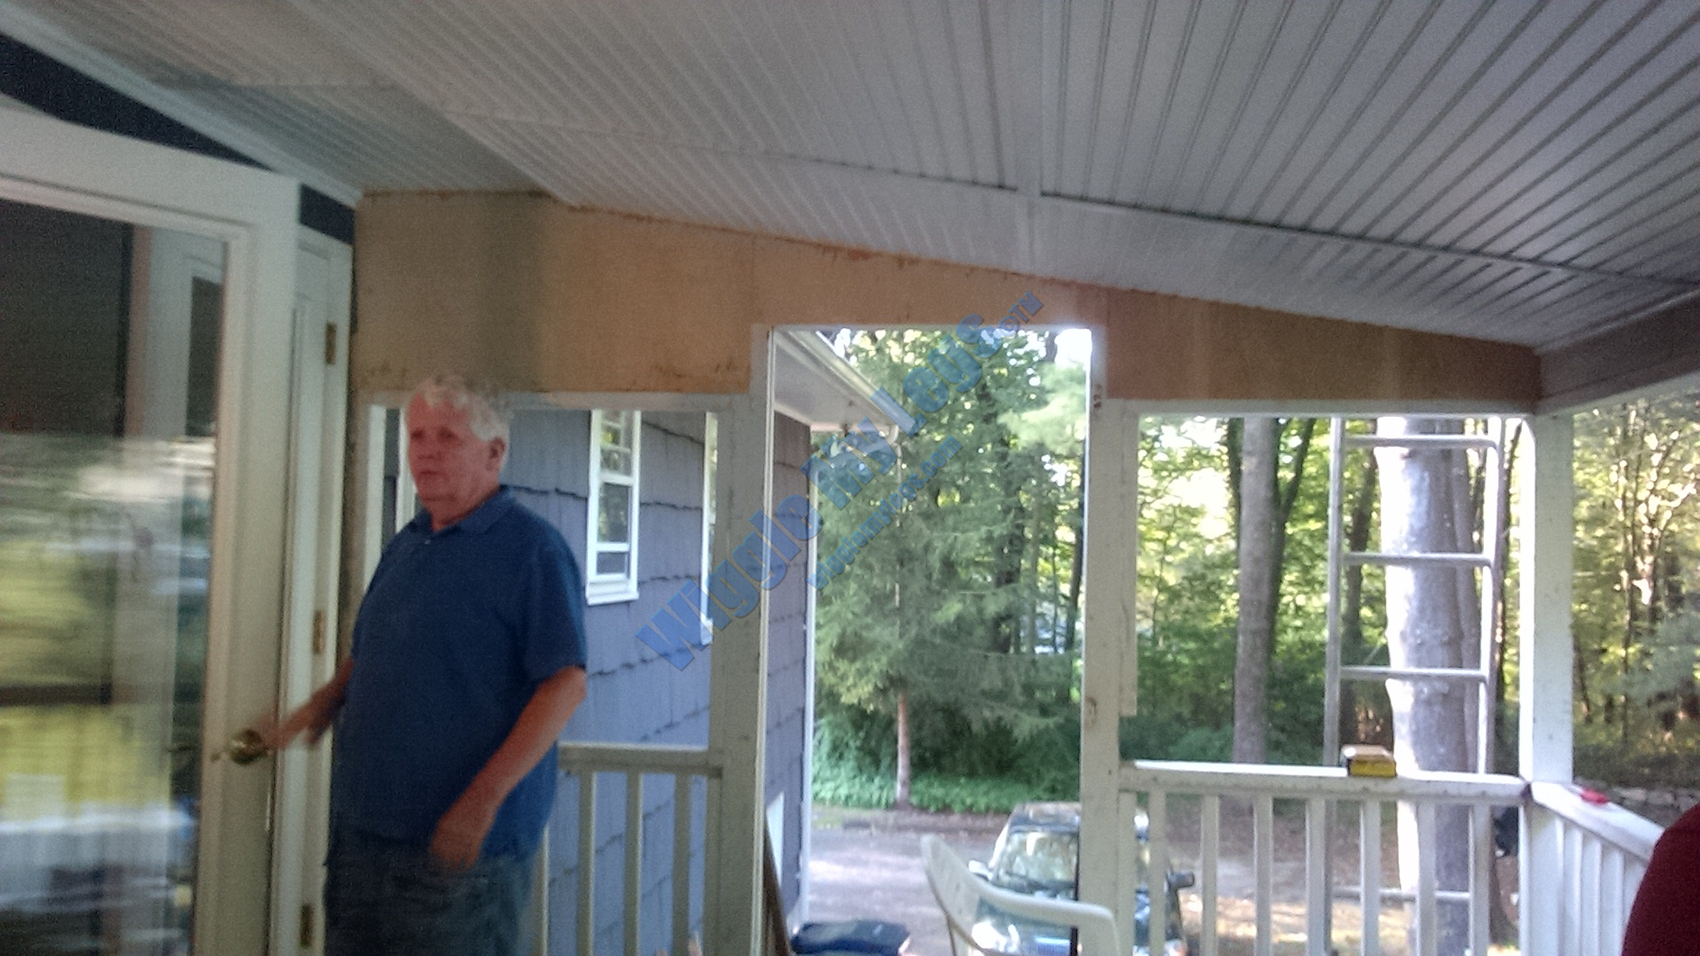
x=1038, y=853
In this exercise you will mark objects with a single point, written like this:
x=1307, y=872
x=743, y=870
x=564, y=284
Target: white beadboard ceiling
x=1522, y=171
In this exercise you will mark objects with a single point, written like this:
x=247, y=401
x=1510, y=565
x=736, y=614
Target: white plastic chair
x=959, y=892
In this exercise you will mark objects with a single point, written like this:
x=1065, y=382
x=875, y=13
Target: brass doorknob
x=244, y=748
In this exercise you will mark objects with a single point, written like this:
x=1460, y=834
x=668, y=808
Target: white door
x=147, y=356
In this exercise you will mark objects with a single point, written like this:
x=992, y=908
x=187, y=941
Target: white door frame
x=308, y=659
x=50, y=163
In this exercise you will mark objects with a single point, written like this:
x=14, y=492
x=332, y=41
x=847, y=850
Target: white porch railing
x=1606, y=849
x=586, y=761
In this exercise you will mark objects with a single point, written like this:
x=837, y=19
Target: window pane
x=106, y=483
x=615, y=429
x=617, y=460
x=611, y=562
x=613, y=524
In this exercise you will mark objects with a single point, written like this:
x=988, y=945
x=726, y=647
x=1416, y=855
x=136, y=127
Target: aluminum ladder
x=1489, y=559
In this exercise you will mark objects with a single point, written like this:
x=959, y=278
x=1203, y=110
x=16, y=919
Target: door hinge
x=318, y=632
x=306, y=926
x=330, y=343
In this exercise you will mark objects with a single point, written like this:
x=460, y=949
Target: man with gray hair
x=468, y=659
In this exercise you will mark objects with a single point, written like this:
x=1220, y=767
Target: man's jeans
x=384, y=898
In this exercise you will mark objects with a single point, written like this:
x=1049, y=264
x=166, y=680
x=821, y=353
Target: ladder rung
x=1411, y=673
x=1420, y=441
x=1464, y=559
x=1396, y=894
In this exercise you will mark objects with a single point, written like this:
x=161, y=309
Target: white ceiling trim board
x=50, y=40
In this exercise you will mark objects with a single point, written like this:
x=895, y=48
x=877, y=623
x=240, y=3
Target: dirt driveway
x=866, y=864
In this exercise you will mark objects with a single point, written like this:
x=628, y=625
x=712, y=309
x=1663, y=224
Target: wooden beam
x=1166, y=348
x=1659, y=349
x=542, y=297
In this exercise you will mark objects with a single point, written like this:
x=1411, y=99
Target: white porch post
x=1544, y=669
x=1109, y=651
x=737, y=716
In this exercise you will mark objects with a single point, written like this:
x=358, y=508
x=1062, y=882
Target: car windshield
x=1045, y=856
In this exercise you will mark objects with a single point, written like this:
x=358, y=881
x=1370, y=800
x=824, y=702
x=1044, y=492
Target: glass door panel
x=109, y=344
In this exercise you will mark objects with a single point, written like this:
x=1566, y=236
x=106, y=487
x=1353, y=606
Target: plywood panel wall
x=543, y=297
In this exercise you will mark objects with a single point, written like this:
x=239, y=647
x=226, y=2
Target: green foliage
x=841, y=786
x=986, y=772
x=1168, y=736
x=964, y=604
x=1188, y=601
x=1635, y=626
x=986, y=795
x=1654, y=761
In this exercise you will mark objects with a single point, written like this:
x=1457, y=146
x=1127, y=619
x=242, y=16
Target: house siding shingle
x=634, y=695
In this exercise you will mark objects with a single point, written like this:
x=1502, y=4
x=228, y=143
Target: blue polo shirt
x=456, y=631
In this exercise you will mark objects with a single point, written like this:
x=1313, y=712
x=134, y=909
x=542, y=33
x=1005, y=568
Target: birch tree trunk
x=1258, y=565
x=1425, y=504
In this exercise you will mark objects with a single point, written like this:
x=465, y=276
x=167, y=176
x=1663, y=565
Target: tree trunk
x=1424, y=629
x=1259, y=449
x=1076, y=564
x=1029, y=640
x=1288, y=496
x=901, y=800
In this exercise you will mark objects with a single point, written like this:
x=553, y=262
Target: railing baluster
x=1127, y=811
x=1591, y=896
x=1210, y=839
x=1481, y=876
x=634, y=859
x=540, y=897
x=1369, y=874
x=1595, y=856
x=681, y=862
x=1157, y=875
x=1428, y=923
x=1614, y=901
x=1572, y=920
x=634, y=761
x=1317, y=901
x=1263, y=835
x=586, y=861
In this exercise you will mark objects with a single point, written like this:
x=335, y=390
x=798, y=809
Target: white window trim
x=611, y=588
x=710, y=458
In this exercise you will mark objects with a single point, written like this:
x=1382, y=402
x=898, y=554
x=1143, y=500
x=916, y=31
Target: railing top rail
x=1619, y=826
x=1420, y=441
x=1301, y=782
x=638, y=758
x=1419, y=559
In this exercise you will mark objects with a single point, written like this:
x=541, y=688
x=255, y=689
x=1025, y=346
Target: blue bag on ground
x=850, y=936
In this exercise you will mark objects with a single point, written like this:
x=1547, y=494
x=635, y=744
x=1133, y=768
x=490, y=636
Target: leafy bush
x=842, y=785
x=1656, y=760
x=984, y=794
x=1170, y=737
x=837, y=785
x=1209, y=744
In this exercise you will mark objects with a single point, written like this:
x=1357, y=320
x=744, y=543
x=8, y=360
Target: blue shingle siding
x=634, y=696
